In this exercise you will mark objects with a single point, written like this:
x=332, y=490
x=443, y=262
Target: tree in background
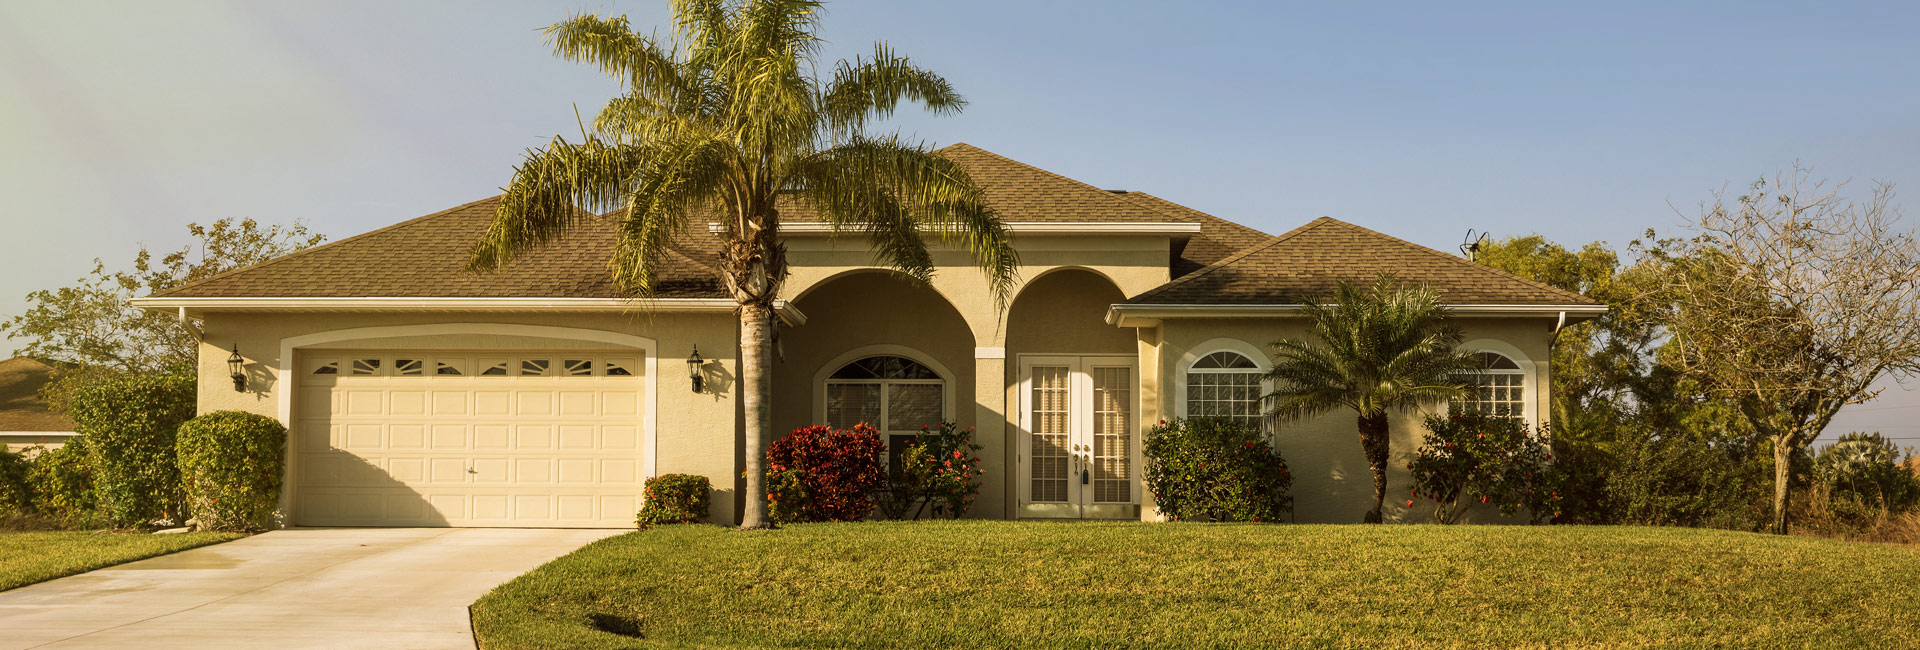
x=94, y=329
x=1635, y=439
x=1373, y=349
x=1790, y=302
x=730, y=121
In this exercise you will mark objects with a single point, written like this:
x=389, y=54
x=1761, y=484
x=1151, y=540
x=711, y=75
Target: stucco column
x=1151, y=411
x=990, y=431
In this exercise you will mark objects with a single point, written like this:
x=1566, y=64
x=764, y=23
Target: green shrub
x=62, y=482
x=1477, y=458
x=675, y=499
x=1682, y=478
x=1865, y=468
x=129, y=423
x=1214, y=469
x=786, y=496
x=231, y=463
x=936, y=471
x=16, y=490
x=837, y=472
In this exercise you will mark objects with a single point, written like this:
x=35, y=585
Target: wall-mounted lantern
x=693, y=369
x=237, y=367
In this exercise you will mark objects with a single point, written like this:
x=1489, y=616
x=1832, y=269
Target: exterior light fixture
x=693, y=369
x=237, y=367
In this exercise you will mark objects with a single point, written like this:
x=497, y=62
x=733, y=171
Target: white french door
x=1079, y=451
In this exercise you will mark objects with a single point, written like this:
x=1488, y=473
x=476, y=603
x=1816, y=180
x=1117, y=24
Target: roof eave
x=1151, y=315
x=193, y=307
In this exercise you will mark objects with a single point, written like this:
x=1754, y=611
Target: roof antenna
x=1471, y=246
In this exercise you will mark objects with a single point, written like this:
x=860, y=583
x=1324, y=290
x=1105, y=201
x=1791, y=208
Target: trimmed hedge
x=832, y=473
x=130, y=423
x=16, y=491
x=231, y=463
x=675, y=499
x=1213, y=469
x=62, y=482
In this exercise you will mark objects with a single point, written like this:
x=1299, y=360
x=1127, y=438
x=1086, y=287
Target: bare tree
x=1790, y=302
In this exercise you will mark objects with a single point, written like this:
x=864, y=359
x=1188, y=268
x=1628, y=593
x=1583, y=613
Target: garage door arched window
x=1499, y=388
x=895, y=394
x=1225, y=385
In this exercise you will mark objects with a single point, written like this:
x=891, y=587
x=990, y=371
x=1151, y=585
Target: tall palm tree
x=724, y=121
x=1378, y=348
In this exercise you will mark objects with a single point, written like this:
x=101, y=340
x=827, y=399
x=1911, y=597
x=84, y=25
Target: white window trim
x=1530, y=379
x=825, y=372
x=1194, y=354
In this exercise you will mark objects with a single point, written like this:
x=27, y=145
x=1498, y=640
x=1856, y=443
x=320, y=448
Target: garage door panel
x=409, y=439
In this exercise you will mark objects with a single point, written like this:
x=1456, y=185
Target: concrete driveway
x=299, y=588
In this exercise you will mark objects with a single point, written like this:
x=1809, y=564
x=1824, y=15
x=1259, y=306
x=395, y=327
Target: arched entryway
x=876, y=347
x=1073, y=401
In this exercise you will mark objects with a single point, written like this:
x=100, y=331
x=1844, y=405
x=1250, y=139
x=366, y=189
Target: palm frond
x=611, y=45
x=548, y=190
x=895, y=191
x=867, y=89
x=677, y=178
x=1377, y=347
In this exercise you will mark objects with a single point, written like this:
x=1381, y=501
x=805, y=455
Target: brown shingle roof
x=426, y=258
x=21, y=408
x=1022, y=193
x=1217, y=240
x=1310, y=261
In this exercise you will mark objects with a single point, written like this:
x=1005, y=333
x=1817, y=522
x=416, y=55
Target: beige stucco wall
x=1093, y=272
x=863, y=314
x=1331, y=481
x=696, y=433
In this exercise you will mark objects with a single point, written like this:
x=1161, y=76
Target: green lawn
x=27, y=558
x=1118, y=585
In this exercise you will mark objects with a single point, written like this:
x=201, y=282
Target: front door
x=1078, y=446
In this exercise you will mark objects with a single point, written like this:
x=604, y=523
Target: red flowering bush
x=675, y=499
x=832, y=473
x=1474, y=458
x=1214, y=469
x=937, y=471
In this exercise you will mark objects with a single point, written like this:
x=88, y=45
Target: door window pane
x=1051, y=433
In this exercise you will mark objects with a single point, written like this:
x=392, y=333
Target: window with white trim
x=1225, y=385
x=895, y=395
x=1497, y=389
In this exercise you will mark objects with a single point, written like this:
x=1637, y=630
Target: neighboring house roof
x=1308, y=262
x=21, y=408
x=426, y=257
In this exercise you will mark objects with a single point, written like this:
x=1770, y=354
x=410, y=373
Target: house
x=420, y=394
x=25, y=420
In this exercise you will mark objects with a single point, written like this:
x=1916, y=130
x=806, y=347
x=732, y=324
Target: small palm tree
x=1378, y=348
x=730, y=121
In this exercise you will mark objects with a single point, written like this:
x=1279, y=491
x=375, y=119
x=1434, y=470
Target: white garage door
x=533, y=439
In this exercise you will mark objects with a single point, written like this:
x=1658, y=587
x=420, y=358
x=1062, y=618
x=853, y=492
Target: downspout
x=1546, y=395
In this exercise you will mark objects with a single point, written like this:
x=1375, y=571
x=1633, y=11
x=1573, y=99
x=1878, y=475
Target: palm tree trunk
x=756, y=397
x=1373, y=442
x=1782, y=473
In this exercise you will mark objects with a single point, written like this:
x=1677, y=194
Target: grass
x=1131, y=585
x=27, y=558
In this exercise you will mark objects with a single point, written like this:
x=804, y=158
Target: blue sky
x=120, y=122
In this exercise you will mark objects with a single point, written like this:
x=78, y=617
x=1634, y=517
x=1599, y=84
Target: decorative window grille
x=1497, y=389
x=366, y=366
x=578, y=367
x=409, y=367
x=1225, y=385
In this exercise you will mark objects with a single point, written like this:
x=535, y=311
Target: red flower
x=1409, y=503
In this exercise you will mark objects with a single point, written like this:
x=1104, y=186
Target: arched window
x=1496, y=389
x=896, y=395
x=1225, y=385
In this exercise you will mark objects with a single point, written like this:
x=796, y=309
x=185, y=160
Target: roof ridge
x=1104, y=194
x=304, y=251
x=1210, y=268
x=1456, y=260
